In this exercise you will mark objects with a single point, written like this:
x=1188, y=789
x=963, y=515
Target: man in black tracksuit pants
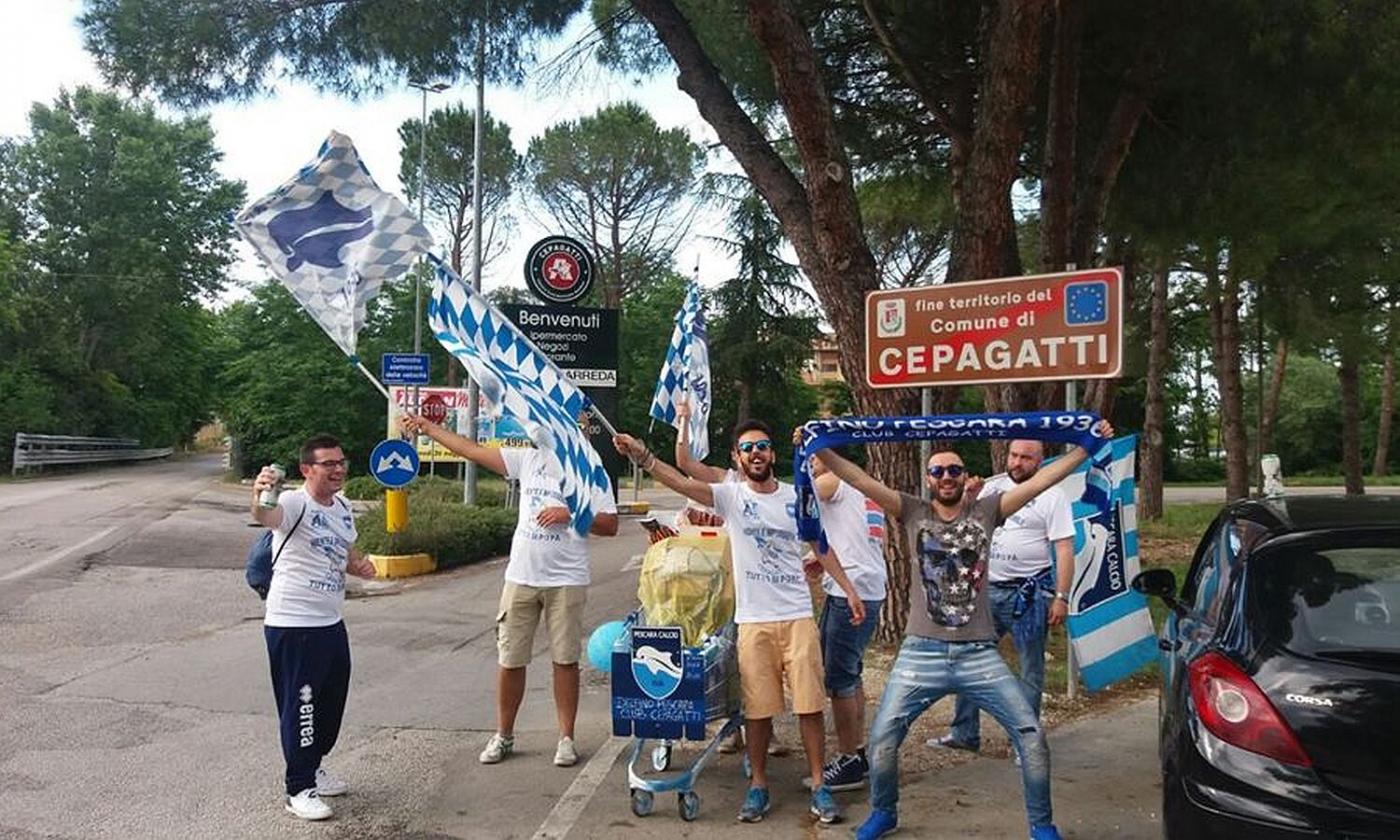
x=307, y=646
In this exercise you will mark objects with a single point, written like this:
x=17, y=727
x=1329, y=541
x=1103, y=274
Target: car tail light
x=1234, y=710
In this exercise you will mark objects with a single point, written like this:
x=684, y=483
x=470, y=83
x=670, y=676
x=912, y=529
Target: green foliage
x=453, y=533
x=193, y=52
x=490, y=490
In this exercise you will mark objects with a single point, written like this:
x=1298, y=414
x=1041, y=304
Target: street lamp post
x=426, y=87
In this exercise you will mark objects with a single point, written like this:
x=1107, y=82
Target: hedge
x=454, y=533
x=490, y=489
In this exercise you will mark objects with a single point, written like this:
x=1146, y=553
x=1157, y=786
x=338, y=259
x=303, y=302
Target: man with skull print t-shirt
x=950, y=643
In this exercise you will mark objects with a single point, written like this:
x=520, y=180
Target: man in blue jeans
x=950, y=638
x=1030, y=571
x=855, y=529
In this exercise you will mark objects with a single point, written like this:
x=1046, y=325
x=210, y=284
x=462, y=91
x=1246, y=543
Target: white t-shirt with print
x=1021, y=547
x=308, y=579
x=553, y=556
x=855, y=528
x=762, y=528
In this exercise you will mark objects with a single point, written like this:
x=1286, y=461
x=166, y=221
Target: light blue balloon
x=600, y=645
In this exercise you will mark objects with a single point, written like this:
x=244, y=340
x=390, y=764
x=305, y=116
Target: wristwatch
x=1063, y=596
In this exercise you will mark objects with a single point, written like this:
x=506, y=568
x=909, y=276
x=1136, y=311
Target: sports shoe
x=565, y=755
x=843, y=772
x=878, y=824
x=497, y=748
x=755, y=805
x=824, y=806
x=1045, y=832
x=328, y=785
x=308, y=805
x=948, y=742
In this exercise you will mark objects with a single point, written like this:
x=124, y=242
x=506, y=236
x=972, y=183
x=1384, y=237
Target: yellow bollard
x=395, y=510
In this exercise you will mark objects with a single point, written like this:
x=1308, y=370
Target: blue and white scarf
x=1076, y=427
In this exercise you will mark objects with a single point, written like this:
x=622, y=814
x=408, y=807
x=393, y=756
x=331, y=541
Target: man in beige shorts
x=547, y=578
x=778, y=636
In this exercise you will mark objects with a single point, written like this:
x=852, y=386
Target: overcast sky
x=265, y=141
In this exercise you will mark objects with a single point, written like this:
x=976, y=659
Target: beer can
x=268, y=497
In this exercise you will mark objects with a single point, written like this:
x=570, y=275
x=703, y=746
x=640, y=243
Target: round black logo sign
x=559, y=269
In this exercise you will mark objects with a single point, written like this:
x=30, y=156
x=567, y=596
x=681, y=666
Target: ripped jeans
x=925, y=670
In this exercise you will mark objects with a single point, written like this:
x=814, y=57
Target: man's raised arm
x=685, y=462
x=637, y=452
x=483, y=456
x=861, y=480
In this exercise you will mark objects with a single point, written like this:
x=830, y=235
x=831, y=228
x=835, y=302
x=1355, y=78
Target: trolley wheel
x=688, y=803
x=661, y=757
x=641, y=802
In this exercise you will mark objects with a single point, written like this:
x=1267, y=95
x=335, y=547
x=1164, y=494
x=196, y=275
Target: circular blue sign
x=394, y=463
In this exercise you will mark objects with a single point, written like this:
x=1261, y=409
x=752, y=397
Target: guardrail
x=43, y=450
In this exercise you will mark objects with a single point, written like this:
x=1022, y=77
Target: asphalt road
x=136, y=702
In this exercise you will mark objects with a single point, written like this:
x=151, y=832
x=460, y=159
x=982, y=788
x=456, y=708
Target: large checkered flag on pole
x=332, y=237
x=686, y=374
x=520, y=381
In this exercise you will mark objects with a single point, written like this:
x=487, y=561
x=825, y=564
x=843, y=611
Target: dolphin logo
x=316, y=233
x=656, y=661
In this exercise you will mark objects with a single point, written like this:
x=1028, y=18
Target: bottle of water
x=268, y=497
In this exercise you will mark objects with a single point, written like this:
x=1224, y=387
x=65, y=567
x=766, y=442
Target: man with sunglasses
x=778, y=637
x=1029, y=571
x=307, y=646
x=950, y=639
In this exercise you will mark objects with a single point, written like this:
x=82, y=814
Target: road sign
x=1014, y=329
x=404, y=368
x=393, y=463
x=434, y=409
x=559, y=270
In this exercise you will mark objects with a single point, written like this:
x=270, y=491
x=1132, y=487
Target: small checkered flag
x=332, y=237
x=520, y=381
x=686, y=374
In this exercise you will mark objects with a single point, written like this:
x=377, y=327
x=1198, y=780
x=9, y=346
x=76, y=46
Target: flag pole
x=361, y=365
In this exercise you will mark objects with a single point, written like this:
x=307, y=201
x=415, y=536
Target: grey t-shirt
x=948, y=569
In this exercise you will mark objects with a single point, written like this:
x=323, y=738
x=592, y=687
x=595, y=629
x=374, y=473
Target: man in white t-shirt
x=547, y=578
x=308, y=649
x=1030, y=569
x=777, y=636
x=855, y=530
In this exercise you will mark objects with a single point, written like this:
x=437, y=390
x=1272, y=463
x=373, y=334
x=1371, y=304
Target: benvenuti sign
x=1013, y=329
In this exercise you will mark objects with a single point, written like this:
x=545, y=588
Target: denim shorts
x=843, y=644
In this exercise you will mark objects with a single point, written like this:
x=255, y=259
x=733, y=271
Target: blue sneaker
x=755, y=805
x=878, y=824
x=1045, y=832
x=824, y=806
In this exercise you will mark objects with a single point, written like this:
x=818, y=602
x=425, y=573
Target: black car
x=1280, y=701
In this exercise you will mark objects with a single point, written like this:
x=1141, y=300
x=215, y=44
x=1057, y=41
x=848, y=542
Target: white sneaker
x=328, y=785
x=564, y=754
x=497, y=748
x=308, y=805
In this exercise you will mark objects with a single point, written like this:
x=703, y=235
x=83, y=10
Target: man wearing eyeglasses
x=950, y=643
x=1029, y=572
x=307, y=646
x=778, y=637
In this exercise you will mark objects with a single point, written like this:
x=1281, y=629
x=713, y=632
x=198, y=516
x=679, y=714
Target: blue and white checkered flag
x=686, y=374
x=519, y=381
x=332, y=236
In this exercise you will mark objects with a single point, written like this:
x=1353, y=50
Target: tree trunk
x=1062, y=119
x=1380, y=465
x=1270, y=419
x=1223, y=296
x=1150, y=502
x=1348, y=375
x=742, y=411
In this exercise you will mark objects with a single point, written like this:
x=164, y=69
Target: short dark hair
x=308, y=449
x=751, y=426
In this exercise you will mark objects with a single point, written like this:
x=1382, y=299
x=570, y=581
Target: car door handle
x=1167, y=645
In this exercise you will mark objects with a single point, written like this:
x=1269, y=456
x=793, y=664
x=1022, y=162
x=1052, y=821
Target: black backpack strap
x=286, y=539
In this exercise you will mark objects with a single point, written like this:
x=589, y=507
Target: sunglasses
x=953, y=470
x=748, y=446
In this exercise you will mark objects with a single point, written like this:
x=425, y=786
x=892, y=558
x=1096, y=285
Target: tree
x=616, y=181
x=448, y=177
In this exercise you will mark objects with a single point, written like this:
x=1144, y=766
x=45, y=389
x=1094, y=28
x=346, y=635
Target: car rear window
x=1315, y=599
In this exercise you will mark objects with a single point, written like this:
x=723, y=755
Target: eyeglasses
x=339, y=463
x=750, y=445
x=953, y=470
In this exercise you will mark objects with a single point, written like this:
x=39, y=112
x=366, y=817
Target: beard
x=758, y=472
x=949, y=495
x=1018, y=476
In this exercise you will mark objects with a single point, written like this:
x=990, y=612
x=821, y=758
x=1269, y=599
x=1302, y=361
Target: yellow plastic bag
x=685, y=582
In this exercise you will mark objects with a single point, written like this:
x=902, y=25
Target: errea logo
x=1308, y=700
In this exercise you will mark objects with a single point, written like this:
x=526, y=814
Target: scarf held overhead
x=1076, y=427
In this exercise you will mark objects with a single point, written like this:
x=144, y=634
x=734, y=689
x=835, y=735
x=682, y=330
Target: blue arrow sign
x=404, y=368
x=393, y=463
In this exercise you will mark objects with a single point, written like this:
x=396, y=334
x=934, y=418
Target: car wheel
x=1174, y=822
